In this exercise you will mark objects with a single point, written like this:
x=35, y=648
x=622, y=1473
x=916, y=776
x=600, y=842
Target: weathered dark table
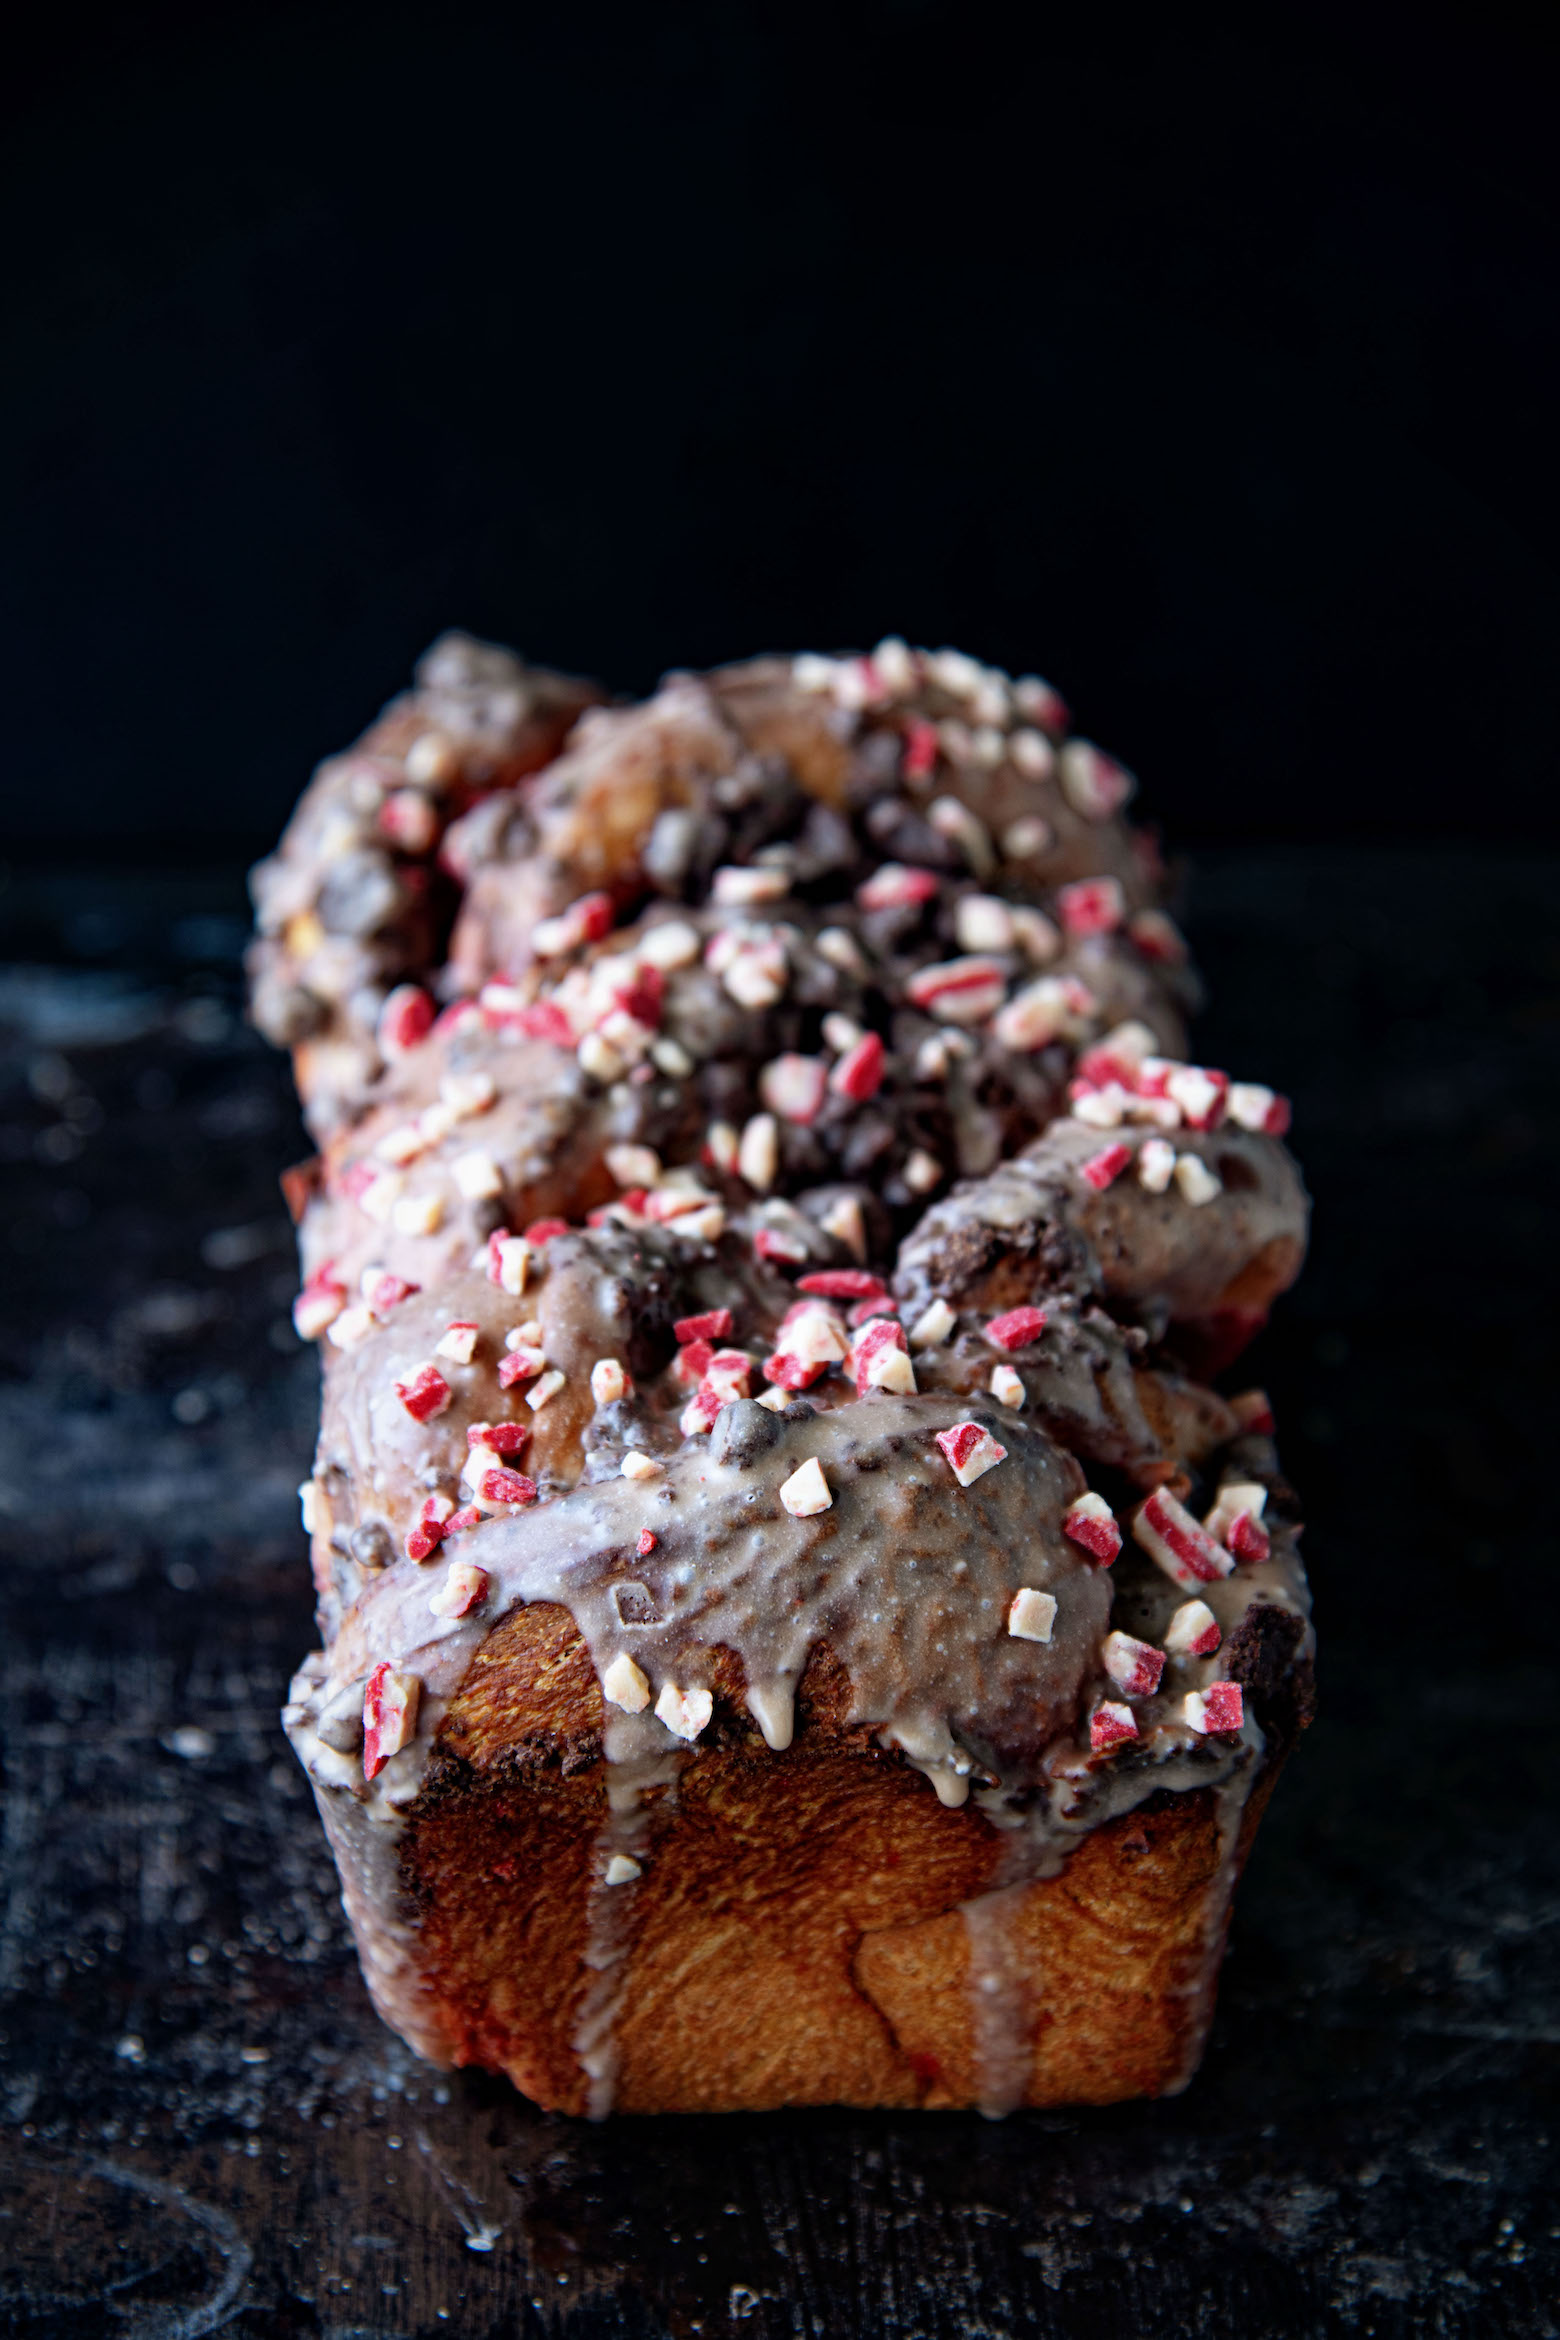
x=202, y=2125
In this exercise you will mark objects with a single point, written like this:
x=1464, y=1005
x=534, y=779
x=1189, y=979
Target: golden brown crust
x=798, y=1935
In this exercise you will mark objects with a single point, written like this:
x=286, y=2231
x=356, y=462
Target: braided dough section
x=354, y=901
x=774, y=1262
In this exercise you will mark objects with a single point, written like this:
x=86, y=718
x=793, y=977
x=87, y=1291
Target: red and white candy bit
x=970, y=1451
x=1091, y=1523
x=506, y=1487
x=1105, y=1108
x=1105, y=1167
x=648, y=1539
x=1031, y=1614
x=460, y=1522
x=1212, y=1712
x=432, y=1524
x=1158, y=938
x=1035, y=1016
x=465, y=1588
x=932, y=1327
x=1193, y=1631
x=1118, y=1057
x=727, y=1374
x=881, y=1359
x=739, y=889
x=794, y=1087
x=384, y=1291
x=609, y=1382
x=1197, y=1183
x=587, y=920
x=1253, y=1411
x=1007, y=1387
x=959, y=991
x=844, y=1220
x=1016, y=1328
x=456, y=1016
x=1042, y=703
x=409, y=822
x=500, y=1437
x=806, y=1491
x=859, y=1073
x=1200, y=1092
x=843, y=1284
x=698, y=1415
x=1238, y=1499
x=389, y=1715
x=685, y=1712
x=633, y=1166
x=1093, y=783
x=405, y=1018
x=1169, y=1535
x=1156, y=1165
x=508, y=1261
x=522, y=1364
x=1248, y=1539
x=1134, y=1666
x=983, y=922
x=896, y=886
x=319, y=1303
x=758, y=1152
x=458, y=1341
x=1111, y=1725
x=779, y=1246
x=544, y=1019
x=692, y=1361
x=921, y=1171
x=542, y=1231
x=1092, y=906
x=1251, y=1106
x=919, y=760
x=713, y=1324
x=954, y=820
x=810, y=1338
x=425, y=1393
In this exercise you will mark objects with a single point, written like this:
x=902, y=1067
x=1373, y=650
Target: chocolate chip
x=744, y=1431
x=371, y=1545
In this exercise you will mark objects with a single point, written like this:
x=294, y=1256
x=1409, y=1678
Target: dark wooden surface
x=202, y=2125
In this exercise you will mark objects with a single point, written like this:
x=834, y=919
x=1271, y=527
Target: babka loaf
x=800, y=1623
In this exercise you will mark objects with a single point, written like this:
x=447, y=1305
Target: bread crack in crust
x=800, y=1623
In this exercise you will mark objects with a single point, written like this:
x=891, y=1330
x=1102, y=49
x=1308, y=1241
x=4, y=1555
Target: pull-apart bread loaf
x=800, y=1624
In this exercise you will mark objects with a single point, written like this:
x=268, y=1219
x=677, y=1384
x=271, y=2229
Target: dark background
x=1212, y=370
x=1215, y=375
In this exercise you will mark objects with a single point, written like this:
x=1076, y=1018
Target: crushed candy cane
x=464, y=1588
x=625, y=1684
x=1170, y=1536
x=1016, y=1328
x=390, y=1701
x=1134, y=1666
x=970, y=1451
x=806, y=1491
x=1214, y=1711
x=424, y=1393
x=1193, y=1631
x=1091, y=1522
x=1032, y=1614
x=685, y=1712
x=1111, y=1725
